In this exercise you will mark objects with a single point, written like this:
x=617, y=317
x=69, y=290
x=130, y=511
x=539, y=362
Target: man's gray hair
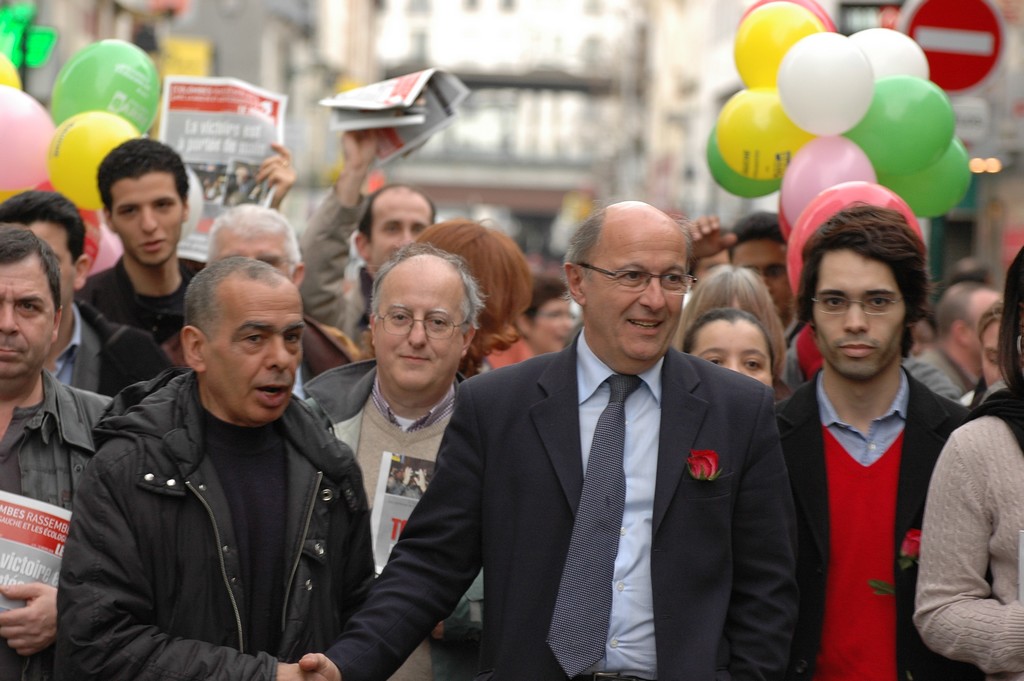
x=472, y=298
x=248, y=221
x=202, y=307
x=586, y=236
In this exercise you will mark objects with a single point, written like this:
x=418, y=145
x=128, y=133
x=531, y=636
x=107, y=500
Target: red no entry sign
x=963, y=39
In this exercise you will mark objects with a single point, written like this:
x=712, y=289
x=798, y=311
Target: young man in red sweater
x=860, y=441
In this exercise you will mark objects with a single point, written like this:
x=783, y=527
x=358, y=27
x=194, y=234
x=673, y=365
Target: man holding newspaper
x=45, y=443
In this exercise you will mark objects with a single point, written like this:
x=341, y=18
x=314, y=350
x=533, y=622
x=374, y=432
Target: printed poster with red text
x=32, y=536
x=402, y=481
x=223, y=129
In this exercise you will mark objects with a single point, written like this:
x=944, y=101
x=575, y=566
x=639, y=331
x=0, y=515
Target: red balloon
x=828, y=203
x=784, y=225
x=811, y=5
x=91, y=218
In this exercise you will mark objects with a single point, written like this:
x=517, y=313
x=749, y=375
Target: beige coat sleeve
x=325, y=251
x=972, y=521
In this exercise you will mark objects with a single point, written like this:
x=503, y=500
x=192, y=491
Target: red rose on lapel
x=910, y=549
x=703, y=464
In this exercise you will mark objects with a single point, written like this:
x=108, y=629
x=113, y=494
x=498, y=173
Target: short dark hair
x=365, y=224
x=202, y=308
x=18, y=243
x=755, y=227
x=875, y=233
x=138, y=157
x=38, y=206
x=731, y=315
x=1010, y=329
x=545, y=288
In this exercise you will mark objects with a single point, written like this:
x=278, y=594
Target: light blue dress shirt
x=64, y=367
x=867, y=448
x=630, y=645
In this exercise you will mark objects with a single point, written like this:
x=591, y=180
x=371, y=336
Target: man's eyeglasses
x=768, y=271
x=671, y=282
x=874, y=305
x=399, y=323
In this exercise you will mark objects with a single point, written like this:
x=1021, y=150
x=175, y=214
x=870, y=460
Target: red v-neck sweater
x=858, y=639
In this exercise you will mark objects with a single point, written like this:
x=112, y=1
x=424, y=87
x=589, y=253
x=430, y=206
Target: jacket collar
x=60, y=414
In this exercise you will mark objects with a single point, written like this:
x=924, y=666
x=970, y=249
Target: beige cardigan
x=972, y=519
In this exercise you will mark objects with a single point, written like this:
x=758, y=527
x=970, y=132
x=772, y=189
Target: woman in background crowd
x=546, y=326
x=988, y=334
x=500, y=267
x=968, y=601
x=741, y=288
x=734, y=339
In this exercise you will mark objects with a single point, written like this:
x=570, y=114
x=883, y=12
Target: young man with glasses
x=860, y=440
x=424, y=310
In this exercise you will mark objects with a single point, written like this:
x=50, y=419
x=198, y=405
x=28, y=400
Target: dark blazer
x=930, y=420
x=113, y=356
x=507, y=483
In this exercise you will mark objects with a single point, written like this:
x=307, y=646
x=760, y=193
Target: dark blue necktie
x=579, y=625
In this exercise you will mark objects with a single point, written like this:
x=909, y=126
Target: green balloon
x=936, y=189
x=112, y=76
x=731, y=181
x=908, y=126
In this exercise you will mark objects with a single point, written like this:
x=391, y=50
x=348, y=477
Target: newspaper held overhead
x=223, y=129
x=32, y=537
x=408, y=109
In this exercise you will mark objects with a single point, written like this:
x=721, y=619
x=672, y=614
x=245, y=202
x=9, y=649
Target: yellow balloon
x=8, y=73
x=765, y=36
x=8, y=193
x=78, y=146
x=755, y=137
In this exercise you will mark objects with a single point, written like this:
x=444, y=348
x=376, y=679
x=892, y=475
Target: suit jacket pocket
x=690, y=488
x=485, y=675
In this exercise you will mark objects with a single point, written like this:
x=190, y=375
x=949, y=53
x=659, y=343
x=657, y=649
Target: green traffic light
x=19, y=38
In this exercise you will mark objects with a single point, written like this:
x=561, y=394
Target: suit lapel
x=804, y=448
x=682, y=414
x=557, y=420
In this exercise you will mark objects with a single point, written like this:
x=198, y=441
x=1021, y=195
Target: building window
x=418, y=46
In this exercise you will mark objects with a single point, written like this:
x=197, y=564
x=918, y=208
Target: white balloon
x=825, y=84
x=892, y=53
x=195, y=202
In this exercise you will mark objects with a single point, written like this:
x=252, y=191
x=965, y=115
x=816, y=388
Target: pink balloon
x=828, y=203
x=25, y=133
x=811, y=5
x=110, y=249
x=822, y=163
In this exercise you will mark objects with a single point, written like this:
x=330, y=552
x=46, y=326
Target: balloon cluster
x=107, y=93
x=830, y=120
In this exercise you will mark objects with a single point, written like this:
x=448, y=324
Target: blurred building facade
x=692, y=74
x=555, y=115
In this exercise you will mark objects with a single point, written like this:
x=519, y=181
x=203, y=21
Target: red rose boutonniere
x=910, y=549
x=703, y=464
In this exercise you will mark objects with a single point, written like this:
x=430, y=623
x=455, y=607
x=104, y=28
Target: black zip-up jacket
x=150, y=585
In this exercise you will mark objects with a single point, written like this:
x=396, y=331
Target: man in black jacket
x=220, y=529
x=144, y=187
x=91, y=352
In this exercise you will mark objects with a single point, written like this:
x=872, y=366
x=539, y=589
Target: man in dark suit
x=860, y=442
x=698, y=583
